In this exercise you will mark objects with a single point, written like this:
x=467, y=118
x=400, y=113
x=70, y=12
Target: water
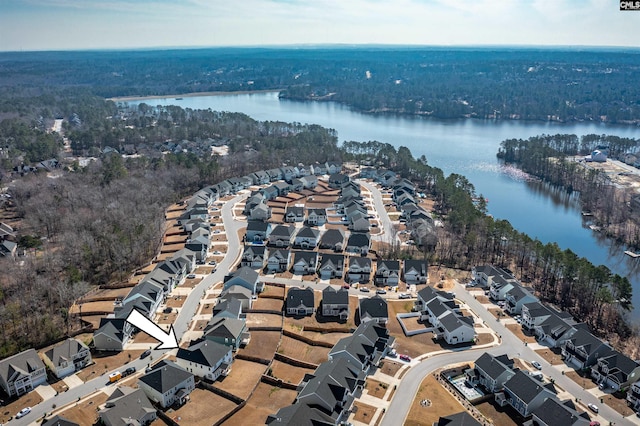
x=467, y=147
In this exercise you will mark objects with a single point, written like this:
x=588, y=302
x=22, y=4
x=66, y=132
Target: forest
x=593, y=84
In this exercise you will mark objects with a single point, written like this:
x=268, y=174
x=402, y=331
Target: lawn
x=288, y=373
x=263, y=344
x=442, y=403
x=203, y=409
x=265, y=400
x=243, y=378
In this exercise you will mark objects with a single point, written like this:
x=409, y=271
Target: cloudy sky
x=93, y=24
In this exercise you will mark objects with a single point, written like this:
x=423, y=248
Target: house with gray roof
x=187, y=258
x=485, y=275
x=332, y=239
x=245, y=277
x=282, y=236
x=387, y=273
x=294, y=214
x=300, y=414
x=146, y=294
x=278, y=260
x=554, y=412
x=337, y=180
x=309, y=182
x=227, y=331
x=126, y=407
x=237, y=292
x=359, y=269
x=8, y=249
x=67, y=357
x=283, y=188
x=491, y=372
x=616, y=371
x=112, y=334
x=270, y=192
x=300, y=301
x=524, y=393
x=368, y=344
x=257, y=231
x=167, y=384
x=359, y=243
x=58, y=420
x=583, y=349
x=316, y=217
x=633, y=396
x=206, y=359
x=373, y=309
x=306, y=238
x=517, y=297
x=331, y=266
x=455, y=329
x=260, y=212
x=335, y=302
x=230, y=307
x=305, y=262
x=253, y=256
x=415, y=271
x=458, y=419
x=22, y=372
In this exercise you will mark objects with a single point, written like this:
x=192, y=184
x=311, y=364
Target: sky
x=123, y=24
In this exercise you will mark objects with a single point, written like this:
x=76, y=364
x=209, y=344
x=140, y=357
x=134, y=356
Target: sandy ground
x=263, y=344
x=266, y=400
x=442, y=403
x=203, y=409
x=302, y=351
x=243, y=378
x=288, y=373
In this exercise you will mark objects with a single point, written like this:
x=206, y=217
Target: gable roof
x=359, y=239
x=374, y=307
x=332, y=237
x=126, y=404
x=283, y=231
x=554, y=412
x=361, y=262
x=524, y=386
x=225, y=327
x=165, y=376
x=332, y=260
x=205, y=353
x=459, y=419
x=494, y=366
x=300, y=296
x=308, y=257
x=257, y=226
x=65, y=351
x=58, y=420
x=333, y=296
x=23, y=363
x=308, y=232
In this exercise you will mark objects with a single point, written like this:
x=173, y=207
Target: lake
x=467, y=147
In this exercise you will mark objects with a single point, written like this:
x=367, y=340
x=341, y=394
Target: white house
x=167, y=383
x=22, y=372
x=207, y=359
x=67, y=357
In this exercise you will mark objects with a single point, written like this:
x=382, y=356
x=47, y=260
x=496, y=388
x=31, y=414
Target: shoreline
x=188, y=95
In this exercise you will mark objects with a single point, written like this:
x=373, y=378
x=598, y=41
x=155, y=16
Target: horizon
x=69, y=25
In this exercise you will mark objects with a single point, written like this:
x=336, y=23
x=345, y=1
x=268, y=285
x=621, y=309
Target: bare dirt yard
x=288, y=373
x=243, y=378
x=203, y=409
x=265, y=400
x=107, y=361
x=167, y=318
x=618, y=404
x=497, y=415
x=376, y=388
x=302, y=351
x=582, y=380
x=324, y=337
x=363, y=412
x=414, y=345
x=550, y=356
x=176, y=301
x=12, y=408
x=517, y=330
x=265, y=303
x=442, y=403
x=263, y=344
x=264, y=320
x=85, y=412
x=271, y=290
x=390, y=368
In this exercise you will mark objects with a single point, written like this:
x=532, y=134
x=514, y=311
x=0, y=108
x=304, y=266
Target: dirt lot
x=176, y=301
x=375, y=388
x=263, y=344
x=289, y=373
x=584, y=381
x=203, y=409
x=442, y=403
x=272, y=304
x=550, y=356
x=12, y=408
x=517, y=330
x=243, y=377
x=264, y=320
x=498, y=416
x=273, y=291
x=390, y=368
x=265, y=400
x=364, y=412
x=324, y=337
x=618, y=404
x=303, y=352
x=414, y=345
x=85, y=413
x=167, y=318
x=106, y=362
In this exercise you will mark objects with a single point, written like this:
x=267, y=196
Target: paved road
x=511, y=345
x=385, y=221
x=185, y=314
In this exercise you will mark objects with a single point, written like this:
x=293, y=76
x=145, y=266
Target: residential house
x=227, y=331
x=368, y=344
x=283, y=188
x=302, y=414
x=549, y=326
x=462, y=418
x=373, y=309
x=206, y=359
x=257, y=231
x=281, y=236
x=294, y=214
x=335, y=302
x=288, y=173
x=320, y=169
x=387, y=273
x=253, y=257
x=112, y=334
x=524, y=393
x=260, y=212
x=185, y=257
x=8, y=249
x=296, y=185
x=633, y=396
x=500, y=288
x=455, y=329
x=484, y=275
x=67, y=357
x=337, y=180
x=58, y=420
x=331, y=266
x=278, y=260
x=309, y=182
x=147, y=296
x=491, y=372
x=22, y=372
x=300, y=301
x=270, y=192
x=554, y=412
x=306, y=238
x=231, y=307
x=305, y=262
x=333, y=167
x=6, y=232
x=126, y=407
x=583, y=350
x=616, y=371
x=167, y=384
x=517, y=297
x=200, y=250
x=260, y=178
x=359, y=243
x=254, y=200
x=359, y=269
x=358, y=224
x=274, y=174
x=316, y=217
x=235, y=292
x=245, y=277
x=332, y=239
x=415, y=271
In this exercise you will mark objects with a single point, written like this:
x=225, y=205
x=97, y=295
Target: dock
x=631, y=253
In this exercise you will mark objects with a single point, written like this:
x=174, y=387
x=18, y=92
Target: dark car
x=128, y=371
x=167, y=310
x=145, y=354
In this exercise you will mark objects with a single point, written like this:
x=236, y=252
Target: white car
x=537, y=365
x=593, y=407
x=23, y=412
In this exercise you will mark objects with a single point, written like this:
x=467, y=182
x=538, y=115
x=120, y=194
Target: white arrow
x=143, y=323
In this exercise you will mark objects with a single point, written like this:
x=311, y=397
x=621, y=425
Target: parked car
x=404, y=296
x=537, y=365
x=167, y=310
x=404, y=357
x=23, y=412
x=593, y=407
x=213, y=263
x=128, y=371
x=191, y=276
x=364, y=289
x=347, y=286
x=381, y=291
x=145, y=354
